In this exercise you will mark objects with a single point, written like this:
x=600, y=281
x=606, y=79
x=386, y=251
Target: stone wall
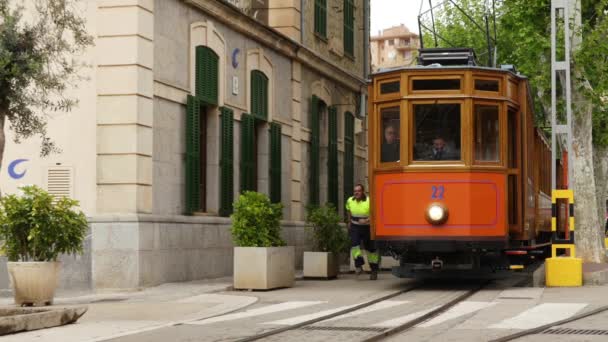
x=136, y=251
x=332, y=49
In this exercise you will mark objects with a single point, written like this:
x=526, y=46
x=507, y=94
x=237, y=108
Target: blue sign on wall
x=235, y=61
x=13, y=165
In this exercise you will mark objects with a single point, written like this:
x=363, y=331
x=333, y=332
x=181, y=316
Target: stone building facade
x=190, y=102
x=393, y=47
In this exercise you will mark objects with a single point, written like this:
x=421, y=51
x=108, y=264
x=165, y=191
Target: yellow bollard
x=563, y=270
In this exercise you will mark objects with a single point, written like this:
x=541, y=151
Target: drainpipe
x=366, y=14
x=302, y=9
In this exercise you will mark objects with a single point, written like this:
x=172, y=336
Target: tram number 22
x=437, y=192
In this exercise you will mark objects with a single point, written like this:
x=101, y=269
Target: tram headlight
x=437, y=213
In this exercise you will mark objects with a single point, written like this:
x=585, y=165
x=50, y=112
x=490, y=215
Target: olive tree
x=39, y=50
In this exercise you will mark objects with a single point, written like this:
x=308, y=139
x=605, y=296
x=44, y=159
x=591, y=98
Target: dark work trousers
x=360, y=238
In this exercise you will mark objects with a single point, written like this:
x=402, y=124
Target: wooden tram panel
x=477, y=193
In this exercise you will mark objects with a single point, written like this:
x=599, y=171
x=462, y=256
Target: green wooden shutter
x=314, y=150
x=259, y=95
x=207, y=75
x=193, y=145
x=248, y=152
x=349, y=154
x=226, y=162
x=349, y=24
x=321, y=18
x=332, y=160
x=275, y=162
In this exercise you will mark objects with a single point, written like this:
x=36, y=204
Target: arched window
x=207, y=75
x=259, y=95
x=204, y=101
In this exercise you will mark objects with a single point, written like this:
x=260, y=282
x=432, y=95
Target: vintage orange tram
x=459, y=175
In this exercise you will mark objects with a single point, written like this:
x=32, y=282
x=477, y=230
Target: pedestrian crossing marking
x=540, y=315
x=303, y=318
x=258, y=312
x=404, y=319
x=460, y=309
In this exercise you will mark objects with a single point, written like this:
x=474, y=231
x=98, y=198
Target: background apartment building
x=393, y=47
x=189, y=103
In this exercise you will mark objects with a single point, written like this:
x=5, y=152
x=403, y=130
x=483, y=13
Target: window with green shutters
x=349, y=28
x=207, y=75
x=349, y=155
x=321, y=18
x=193, y=145
x=332, y=160
x=248, y=153
x=275, y=162
x=259, y=95
x=314, y=150
x=226, y=161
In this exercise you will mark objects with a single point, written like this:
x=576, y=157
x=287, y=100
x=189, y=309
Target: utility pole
x=565, y=7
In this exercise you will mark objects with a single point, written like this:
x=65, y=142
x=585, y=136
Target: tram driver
x=440, y=150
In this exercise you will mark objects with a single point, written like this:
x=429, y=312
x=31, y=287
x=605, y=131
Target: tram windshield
x=486, y=133
x=437, y=131
x=389, y=150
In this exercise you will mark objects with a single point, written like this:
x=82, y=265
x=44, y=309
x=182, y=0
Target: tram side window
x=486, y=133
x=389, y=150
x=437, y=131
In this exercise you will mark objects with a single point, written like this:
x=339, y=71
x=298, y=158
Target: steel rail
x=410, y=324
x=326, y=317
x=550, y=325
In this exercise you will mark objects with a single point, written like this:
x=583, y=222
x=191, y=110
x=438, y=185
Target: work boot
x=373, y=275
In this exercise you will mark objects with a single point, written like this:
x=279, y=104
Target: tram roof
x=435, y=67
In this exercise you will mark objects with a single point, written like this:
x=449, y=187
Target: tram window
x=512, y=145
x=445, y=84
x=389, y=87
x=486, y=85
x=389, y=150
x=486, y=133
x=437, y=131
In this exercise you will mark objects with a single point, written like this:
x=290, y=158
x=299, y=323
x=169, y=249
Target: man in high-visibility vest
x=357, y=208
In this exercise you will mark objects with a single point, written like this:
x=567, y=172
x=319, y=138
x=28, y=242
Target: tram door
x=514, y=171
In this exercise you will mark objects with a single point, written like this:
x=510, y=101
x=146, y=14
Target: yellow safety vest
x=358, y=209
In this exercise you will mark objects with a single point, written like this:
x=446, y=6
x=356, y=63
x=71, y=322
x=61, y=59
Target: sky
x=387, y=13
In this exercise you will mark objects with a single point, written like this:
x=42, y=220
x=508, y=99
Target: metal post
x=566, y=6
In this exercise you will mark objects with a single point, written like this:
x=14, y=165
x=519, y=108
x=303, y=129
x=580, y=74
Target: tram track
x=381, y=333
x=545, y=327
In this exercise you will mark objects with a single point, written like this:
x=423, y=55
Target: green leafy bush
x=256, y=221
x=324, y=225
x=33, y=228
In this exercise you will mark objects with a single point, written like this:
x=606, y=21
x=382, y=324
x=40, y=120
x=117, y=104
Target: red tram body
x=469, y=183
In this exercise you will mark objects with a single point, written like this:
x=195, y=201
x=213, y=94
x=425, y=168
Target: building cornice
x=232, y=17
x=405, y=35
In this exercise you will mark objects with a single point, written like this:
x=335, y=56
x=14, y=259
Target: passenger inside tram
x=390, y=144
x=389, y=151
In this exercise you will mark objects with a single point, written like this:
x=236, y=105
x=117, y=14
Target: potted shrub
x=34, y=230
x=261, y=261
x=329, y=240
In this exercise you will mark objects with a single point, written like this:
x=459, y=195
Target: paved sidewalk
x=115, y=314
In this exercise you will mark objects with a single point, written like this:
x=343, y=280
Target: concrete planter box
x=264, y=268
x=33, y=282
x=320, y=265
